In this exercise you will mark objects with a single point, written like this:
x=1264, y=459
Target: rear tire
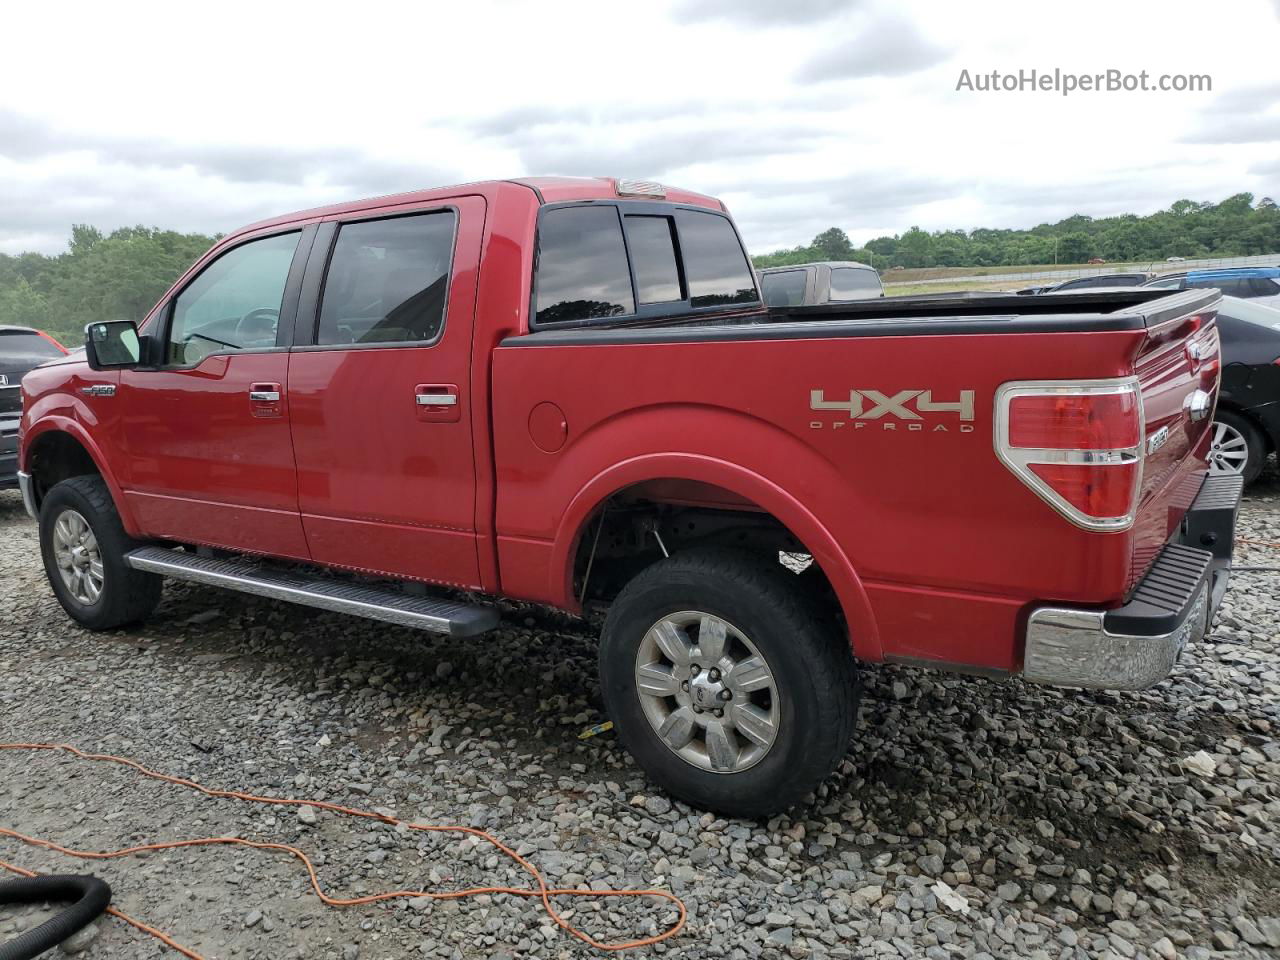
x=1238, y=447
x=83, y=544
x=712, y=630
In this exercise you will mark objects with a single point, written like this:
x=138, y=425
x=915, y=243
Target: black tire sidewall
x=111, y=548
x=795, y=757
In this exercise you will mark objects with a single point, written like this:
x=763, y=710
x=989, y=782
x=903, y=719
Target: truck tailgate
x=1179, y=367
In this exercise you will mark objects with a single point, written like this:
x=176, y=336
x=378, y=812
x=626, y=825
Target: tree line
x=123, y=273
x=1233, y=228
x=100, y=277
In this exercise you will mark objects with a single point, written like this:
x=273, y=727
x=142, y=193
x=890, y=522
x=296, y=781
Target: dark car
x=1105, y=280
x=21, y=349
x=1247, y=425
x=1086, y=283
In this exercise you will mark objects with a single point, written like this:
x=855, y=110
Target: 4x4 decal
x=908, y=406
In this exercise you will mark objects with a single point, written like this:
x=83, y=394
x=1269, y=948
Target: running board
x=375, y=603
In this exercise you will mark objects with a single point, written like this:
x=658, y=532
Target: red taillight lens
x=1106, y=421
x=1095, y=490
x=1077, y=445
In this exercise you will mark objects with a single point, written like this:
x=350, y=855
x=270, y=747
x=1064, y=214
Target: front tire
x=727, y=685
x=1237, y=448
x=83, y=544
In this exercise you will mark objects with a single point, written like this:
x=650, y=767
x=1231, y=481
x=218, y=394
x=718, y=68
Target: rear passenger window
x=582, y=265
x=388, y=281
x=848, y=283
x=1264, y=287
x=653, y=254
x=715, y=265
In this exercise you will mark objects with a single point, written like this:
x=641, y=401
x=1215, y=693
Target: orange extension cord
x=542, y=891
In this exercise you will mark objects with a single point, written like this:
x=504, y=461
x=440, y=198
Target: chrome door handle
x=437, y=400
x=265, y=396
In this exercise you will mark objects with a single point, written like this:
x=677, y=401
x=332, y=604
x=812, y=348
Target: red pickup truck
x=568, y=391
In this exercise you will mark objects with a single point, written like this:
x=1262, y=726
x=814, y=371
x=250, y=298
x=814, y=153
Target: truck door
x=377, y=387
x=205, y=432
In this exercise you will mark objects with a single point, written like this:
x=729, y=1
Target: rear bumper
x=1135, y=646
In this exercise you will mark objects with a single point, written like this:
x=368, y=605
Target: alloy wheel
x=75, y=549
x=1229, y=451
x=707, y=692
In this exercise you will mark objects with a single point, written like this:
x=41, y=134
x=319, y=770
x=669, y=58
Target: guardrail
x=1153, y=266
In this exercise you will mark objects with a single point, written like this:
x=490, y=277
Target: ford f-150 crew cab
x=569, y=392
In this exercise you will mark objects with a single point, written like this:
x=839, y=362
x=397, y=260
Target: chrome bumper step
x=375, y=603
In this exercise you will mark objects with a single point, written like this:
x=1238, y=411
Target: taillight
x=1077, y=444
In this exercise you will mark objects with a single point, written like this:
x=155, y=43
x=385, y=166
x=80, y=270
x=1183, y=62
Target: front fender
x=41, y=423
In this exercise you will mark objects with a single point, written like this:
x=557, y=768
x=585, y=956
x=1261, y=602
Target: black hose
x=90, y=896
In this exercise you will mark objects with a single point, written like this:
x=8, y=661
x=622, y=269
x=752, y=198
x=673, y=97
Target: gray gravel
x=970, y=819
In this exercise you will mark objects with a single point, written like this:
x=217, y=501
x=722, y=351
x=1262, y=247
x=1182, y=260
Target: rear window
x=388, y=281
x=653, y=254
x=1233, y=286
x=784, y=289
x=669, y=259
x=582, y=265
x=714, y=264
x=850, y=283
x=26, y=347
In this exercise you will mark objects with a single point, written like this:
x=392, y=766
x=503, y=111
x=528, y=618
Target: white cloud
x=889, y=46
x=801, y=115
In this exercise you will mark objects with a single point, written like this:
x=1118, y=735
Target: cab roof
x=547, y=190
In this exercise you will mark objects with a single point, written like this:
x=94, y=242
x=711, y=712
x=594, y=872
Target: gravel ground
x=971, y=818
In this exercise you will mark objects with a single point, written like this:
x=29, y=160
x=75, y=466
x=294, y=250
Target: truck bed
x=1088, y=311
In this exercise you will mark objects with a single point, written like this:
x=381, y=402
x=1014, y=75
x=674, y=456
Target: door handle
x=264, y=400
x=436, y=402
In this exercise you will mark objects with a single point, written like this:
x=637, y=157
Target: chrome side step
x=375, y=603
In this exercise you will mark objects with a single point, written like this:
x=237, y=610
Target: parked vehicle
x=1104, y=280
x=569, y=391
x=1249, y=283
x=807, y=284
x=21, y=348
x=1246, y=425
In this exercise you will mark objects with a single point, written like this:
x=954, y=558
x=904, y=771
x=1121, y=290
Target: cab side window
x=234, y=303
x=388, y=281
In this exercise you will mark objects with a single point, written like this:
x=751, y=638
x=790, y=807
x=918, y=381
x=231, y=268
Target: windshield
x=1254, y=313
x=785, y=289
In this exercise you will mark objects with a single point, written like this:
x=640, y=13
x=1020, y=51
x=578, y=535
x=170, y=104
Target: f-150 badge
x=908, y=409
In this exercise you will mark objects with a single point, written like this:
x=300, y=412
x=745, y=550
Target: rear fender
x=745, y=483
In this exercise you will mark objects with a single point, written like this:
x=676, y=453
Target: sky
x=800, y=115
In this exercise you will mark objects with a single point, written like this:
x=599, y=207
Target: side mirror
x=112, y=345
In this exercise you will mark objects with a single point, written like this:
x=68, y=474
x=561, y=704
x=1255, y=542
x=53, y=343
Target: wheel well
x=641, y=524
x=56, y=456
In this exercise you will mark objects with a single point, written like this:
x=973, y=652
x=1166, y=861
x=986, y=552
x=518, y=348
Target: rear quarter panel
x=946, y=546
